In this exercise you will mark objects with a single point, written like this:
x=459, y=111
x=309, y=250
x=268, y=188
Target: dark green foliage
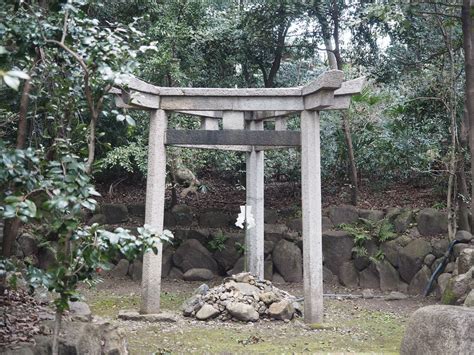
x=217, y=243
x=365, y=230
x=80, y=251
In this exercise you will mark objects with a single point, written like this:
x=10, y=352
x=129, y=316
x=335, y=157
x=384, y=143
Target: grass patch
x=347, y=327
x=106, y=305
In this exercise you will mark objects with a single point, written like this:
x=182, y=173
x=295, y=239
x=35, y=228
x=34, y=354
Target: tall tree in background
x=467, y=13
x=329, y=16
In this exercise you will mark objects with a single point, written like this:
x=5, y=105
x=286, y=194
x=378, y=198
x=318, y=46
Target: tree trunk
x=91, y=144
x=22, y=116
x=350, y=155
x=468, y=38
x=10, y=232
x=57, y=328
x=335, y=62
x=330, y=53
x=463, y=194
x=463, y=191
x=11, y=226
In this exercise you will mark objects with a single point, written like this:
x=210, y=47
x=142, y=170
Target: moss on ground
x=347, y=328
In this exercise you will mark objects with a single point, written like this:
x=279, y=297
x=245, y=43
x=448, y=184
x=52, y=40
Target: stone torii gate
x=242, y=112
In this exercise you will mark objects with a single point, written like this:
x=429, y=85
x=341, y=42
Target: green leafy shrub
x=217, y=243
x=80, y=251
x=366, y=230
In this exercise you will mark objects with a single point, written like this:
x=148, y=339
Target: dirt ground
x=350, y=325
x=282, y=195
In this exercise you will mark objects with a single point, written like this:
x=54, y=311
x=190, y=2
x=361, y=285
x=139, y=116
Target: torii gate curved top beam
x=242, y=112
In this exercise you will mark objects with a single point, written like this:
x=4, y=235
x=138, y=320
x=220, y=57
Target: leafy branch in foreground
x=52, y=196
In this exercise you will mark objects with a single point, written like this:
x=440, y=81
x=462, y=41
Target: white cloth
x=245, y=215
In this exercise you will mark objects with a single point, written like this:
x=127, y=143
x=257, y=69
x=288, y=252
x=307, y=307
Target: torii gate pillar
x=254, y=237
x=312, y=217
x=154, y=210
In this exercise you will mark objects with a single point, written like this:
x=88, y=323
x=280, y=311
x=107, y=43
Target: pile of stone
x=242, y=297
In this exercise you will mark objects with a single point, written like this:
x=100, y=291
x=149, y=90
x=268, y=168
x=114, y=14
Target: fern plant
x=217, y=243
x=366, y=230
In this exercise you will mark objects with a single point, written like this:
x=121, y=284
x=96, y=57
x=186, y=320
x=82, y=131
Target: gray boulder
x=270, y=216
x=288, y=261
x=136, y=210
x=439, y=330
x=183, y=215
x=277, y=278
x=268, y=269
x=115, y=213
x=201, y=235
x=242, y=311
x=27, y=244
x=166, y=261
x=228, y=256
x=175, y=274
x=136, y=270
x=268, y=247
x=192, y=305
x=269, y=297
x=327, y=224
x=458, y=248
x=198, y=275
x=192, y=255
x=343, y=214
x=80, y=311
x=450, y=267
x=440, y=246
x=432, y=222
x=328, y=276
x=391, y=250
x=371, y=215
x=403, y=287
x=121, y=269
x=411, y=258
x=282, y=310
x=295, y=224
x=206, y=312
x=203, y=289
x=463, y=236
x=168, y=220
x=392, y=213
x=97, y=218
x=246, y=289
x=348, y=275
x=361, y=262
x=403, y=220
x=389, y=277
x=46, y=258
x=442, y=281
x=215, y=219
x=395, y=296
x=337, y=249
x=469, y=301
x=465, y=260
x=457, y=288
x=419, y=281
x=368, y=278
x=238, y=267
x=429, y=259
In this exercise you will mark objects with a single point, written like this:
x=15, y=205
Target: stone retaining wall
x=207, y=244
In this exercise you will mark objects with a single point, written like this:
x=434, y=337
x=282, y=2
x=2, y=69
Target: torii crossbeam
x=241, y=113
